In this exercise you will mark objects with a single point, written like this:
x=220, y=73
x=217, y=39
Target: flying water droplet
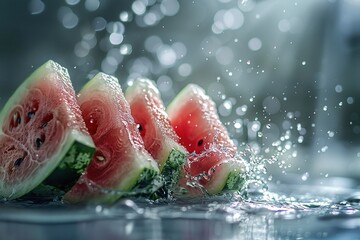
x=305, y=176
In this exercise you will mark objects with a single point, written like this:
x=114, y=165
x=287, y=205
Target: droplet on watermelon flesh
x=154, y=126
x=42, y=135
x=121, y=166
x=213, y=164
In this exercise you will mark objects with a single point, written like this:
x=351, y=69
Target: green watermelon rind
x=170, y=174
x=173, y=166
x=74, y=159
x=72, y=136
x=140, y=182
x=231, y=176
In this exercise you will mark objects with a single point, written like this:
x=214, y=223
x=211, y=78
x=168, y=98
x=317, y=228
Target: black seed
x=139, y=127
x=18, y=161
x=30, y=114
x=200, y=142
x=38, y=142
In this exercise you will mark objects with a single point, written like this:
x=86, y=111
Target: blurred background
x=285, y=74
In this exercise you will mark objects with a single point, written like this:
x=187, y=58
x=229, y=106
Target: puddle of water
x=286, y=211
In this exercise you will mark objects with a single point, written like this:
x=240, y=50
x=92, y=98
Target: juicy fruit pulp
x=43, y=138
x=154, y=126
x=213, y=164
x=120, y=162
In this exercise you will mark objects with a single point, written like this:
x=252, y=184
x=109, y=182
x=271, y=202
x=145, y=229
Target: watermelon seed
x=139, y=127
x=100, y=158
x=18, y=161
x=39, y=141
x=30, y=114
x=16, y=119
x=200, y=142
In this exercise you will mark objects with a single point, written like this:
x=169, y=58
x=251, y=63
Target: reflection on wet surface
x=313, y=211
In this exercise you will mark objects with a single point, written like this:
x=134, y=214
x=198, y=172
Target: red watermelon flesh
x=41, y=123
x=213, y=161
x=120, y=160
x=154, y=126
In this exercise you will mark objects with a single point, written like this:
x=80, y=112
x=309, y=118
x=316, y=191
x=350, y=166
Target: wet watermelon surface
x=32, y=131
x=35, y=126
x=194, y=118
x=120, y=155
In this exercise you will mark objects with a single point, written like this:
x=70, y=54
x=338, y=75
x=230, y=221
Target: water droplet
x=350, y=100
x=98, y=209
x=99, y=24
x=166, y=55
x=338, y=88
x=324, y=149
x=255, y=126
x=116, y=38
x=271, y=105
x=169, y=7
x=185, y=70
x=72, y=2
x=92, y=5
x=331, y=133
x=305, y=176
x=138, y=7
x=36, y=7
x=255, y=44
x=225, y=108
x=125, y=16
x=284, y=25
x=238, y=123
x=164, y=83
x=126, y=49
x=224, y=55
x=67, y=17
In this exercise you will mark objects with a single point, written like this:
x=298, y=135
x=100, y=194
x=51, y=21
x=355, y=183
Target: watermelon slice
x=43, y=138
x=213, y=163
x=154, y=126
x=120, y=164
